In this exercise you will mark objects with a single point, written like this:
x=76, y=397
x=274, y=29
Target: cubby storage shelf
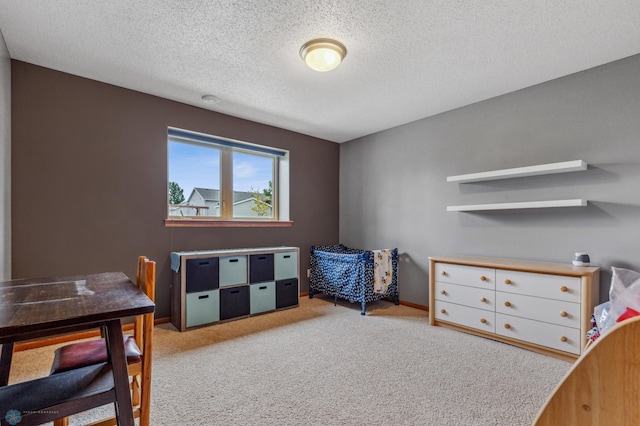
x=218, y=285
x=520, y=205
x=541, y=169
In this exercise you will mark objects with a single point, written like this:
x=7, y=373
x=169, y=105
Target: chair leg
x=144, y=413
x=135, y=391
x=145, y=401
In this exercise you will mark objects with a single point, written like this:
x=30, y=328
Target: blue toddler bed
x=349, y=274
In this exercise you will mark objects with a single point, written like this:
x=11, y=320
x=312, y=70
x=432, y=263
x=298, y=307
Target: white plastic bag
x=624, y=298
x=601, y=314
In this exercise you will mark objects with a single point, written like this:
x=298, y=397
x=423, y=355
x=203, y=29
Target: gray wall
x=393, y=189
x=5, y=161
x=89, y=178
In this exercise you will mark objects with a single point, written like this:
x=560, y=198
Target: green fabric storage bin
x=263, y=297
x=233, y=270
x=286, y=265
x=202, y=308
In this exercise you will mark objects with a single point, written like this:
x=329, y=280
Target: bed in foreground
x=355, y=275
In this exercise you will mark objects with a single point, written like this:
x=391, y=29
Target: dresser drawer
x=465, y=275
x=547, y=310
x=548, y=286
x=551, y=335
x=462, y=295
x=464, y=315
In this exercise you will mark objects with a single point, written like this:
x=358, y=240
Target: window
x=217, y=180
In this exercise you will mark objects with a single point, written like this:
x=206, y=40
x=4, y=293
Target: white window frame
x=280, y=202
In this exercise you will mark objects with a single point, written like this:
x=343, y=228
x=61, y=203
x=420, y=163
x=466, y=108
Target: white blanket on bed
x=382, y=270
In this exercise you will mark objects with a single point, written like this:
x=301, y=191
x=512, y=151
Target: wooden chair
x=603, y=386
x=138, y=348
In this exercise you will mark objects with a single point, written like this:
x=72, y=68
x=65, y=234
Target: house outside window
x=211, y=178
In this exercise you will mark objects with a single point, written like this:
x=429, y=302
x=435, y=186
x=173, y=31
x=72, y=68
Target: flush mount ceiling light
x=210, y=99
x=323, y=54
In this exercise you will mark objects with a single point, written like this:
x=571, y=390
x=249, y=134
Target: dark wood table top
x=31, y=308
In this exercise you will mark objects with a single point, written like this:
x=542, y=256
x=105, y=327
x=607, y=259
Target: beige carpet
x=321, y=364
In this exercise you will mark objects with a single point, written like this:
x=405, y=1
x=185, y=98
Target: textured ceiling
x=406, y=60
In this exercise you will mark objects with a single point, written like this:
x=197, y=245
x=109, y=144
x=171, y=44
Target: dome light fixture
x=323, y=54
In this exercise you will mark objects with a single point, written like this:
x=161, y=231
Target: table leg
x=115, y=347
x=5, y=363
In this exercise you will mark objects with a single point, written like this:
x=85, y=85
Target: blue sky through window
x=198, y=166
x=194, y=166
x=251, y=172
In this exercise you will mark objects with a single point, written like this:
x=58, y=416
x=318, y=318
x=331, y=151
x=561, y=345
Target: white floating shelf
x=542, y=169
x=522, y=205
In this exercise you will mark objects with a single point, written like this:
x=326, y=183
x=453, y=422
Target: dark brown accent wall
x=89, y=180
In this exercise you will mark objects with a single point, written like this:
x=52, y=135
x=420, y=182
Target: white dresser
x=541, y=306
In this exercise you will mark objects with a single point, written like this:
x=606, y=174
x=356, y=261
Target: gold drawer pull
x=443, y=311
x=483, y=278
x=564, y=289
x=507, y=326
x=563, y=339
x=483, y=299
x=563, y=314
x=443, y=292
x=507, y=304
x=507, y=281
x=482, y=320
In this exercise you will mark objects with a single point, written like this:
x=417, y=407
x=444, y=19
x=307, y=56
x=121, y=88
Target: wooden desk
x=34, y=308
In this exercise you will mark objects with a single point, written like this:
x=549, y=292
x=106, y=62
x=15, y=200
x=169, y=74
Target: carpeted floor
x=321, y=364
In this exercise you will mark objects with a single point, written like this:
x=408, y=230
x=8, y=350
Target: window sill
x=204, y=223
